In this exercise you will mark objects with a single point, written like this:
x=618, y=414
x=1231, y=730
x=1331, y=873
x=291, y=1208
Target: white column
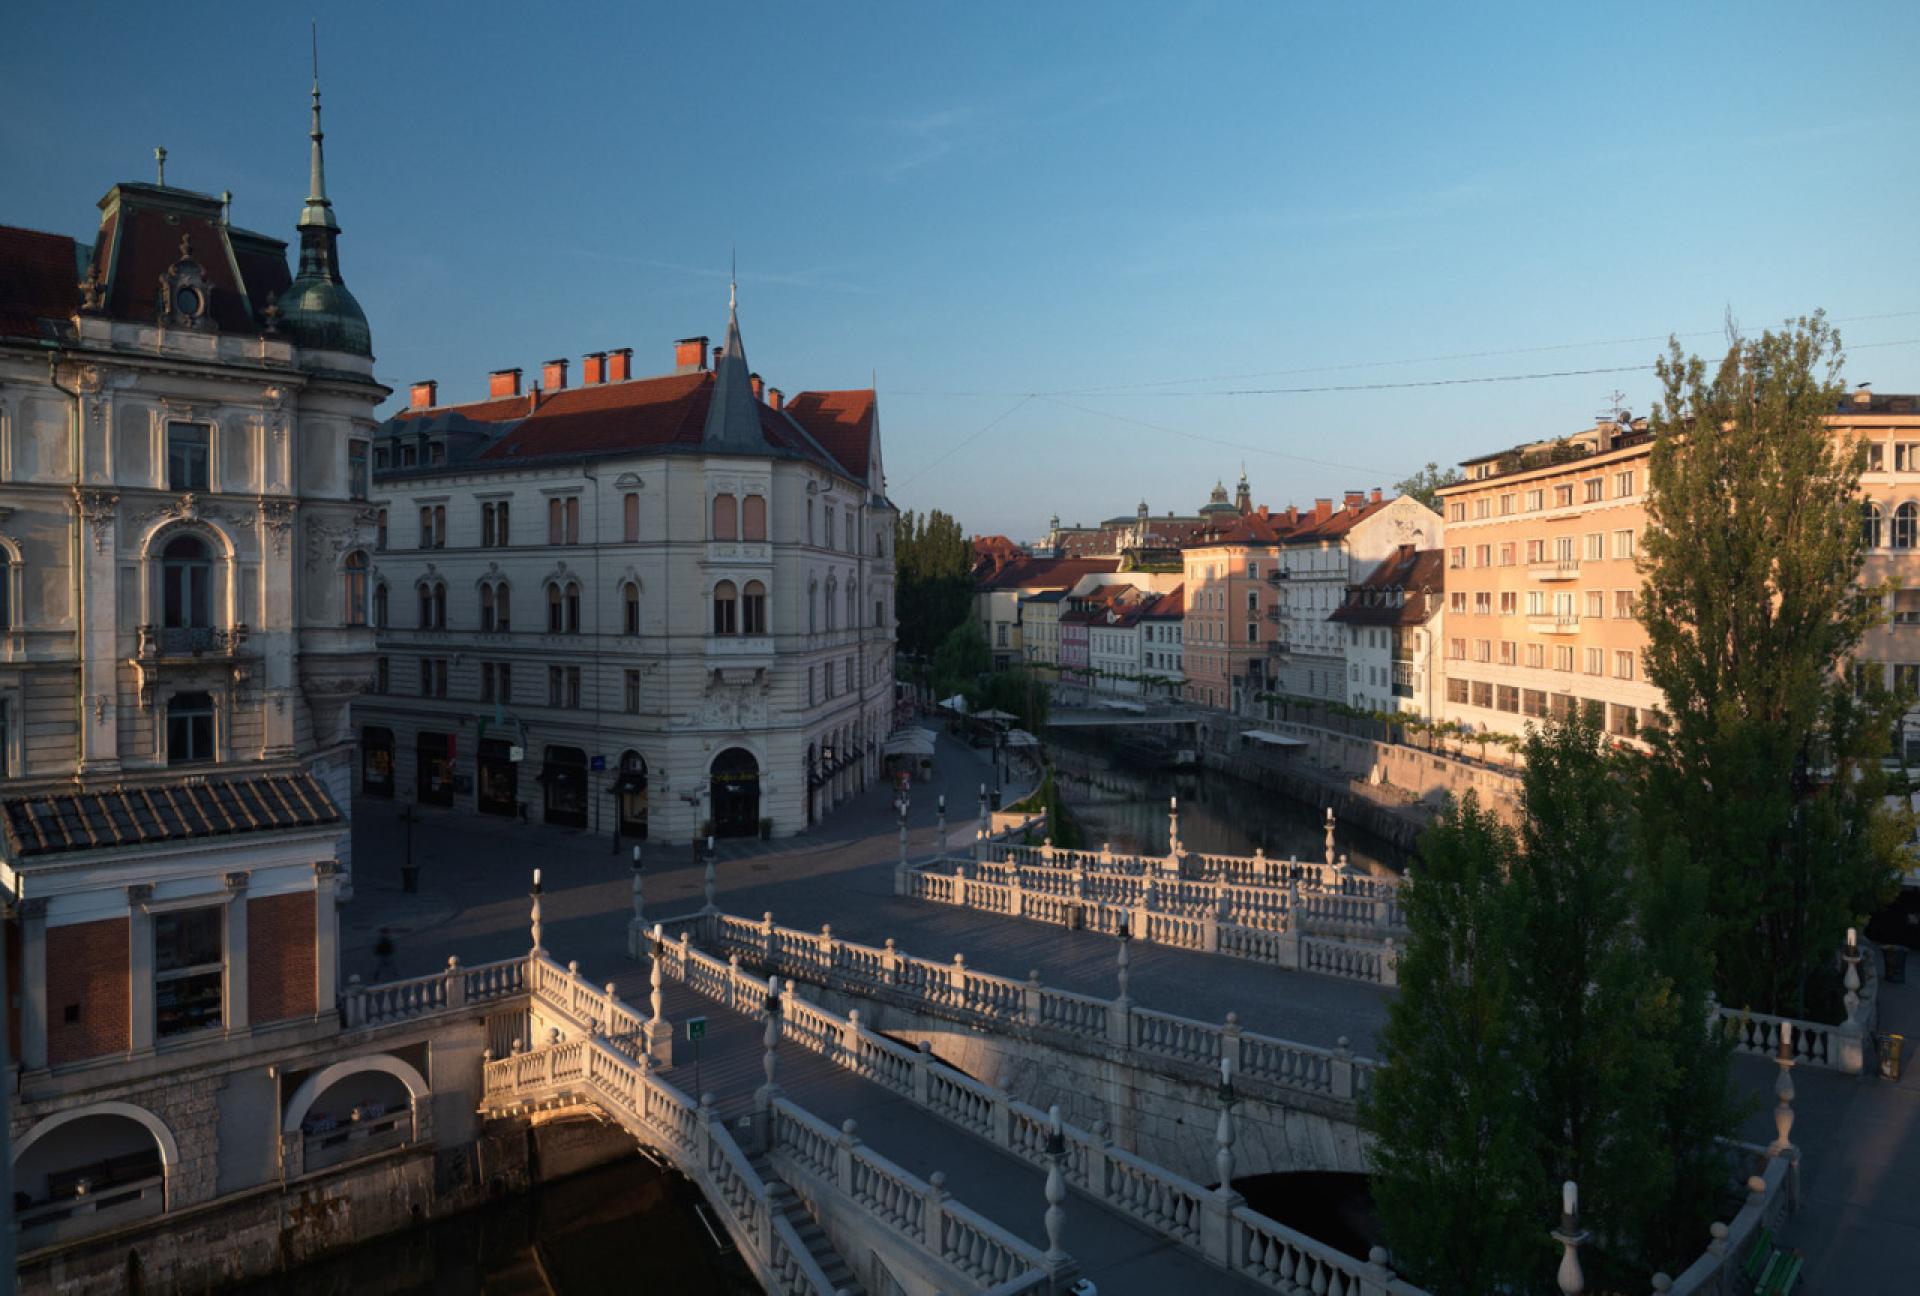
x=140, y=968
x=33, y=984
x=235, y=996
x=326, y=938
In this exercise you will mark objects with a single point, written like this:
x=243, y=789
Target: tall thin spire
x=733, y=416
x=318, y=210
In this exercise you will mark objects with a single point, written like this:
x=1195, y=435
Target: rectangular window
x=1457, y=511
x=1623, y=604
x=1623, y=483
x=1508, y=552
x=1620, y=721
x=382, y=675
x=1482, y=693
x=572, y=520
x=1536, y=602
x=1623, y=544
x=1482, y=507
x=437, y=452
x=1563, y=657
x=1536, y=655
x=380, y=458
x=1876, y=457
x=1533, y=702
x=1596, y=603
x=556, y=685
x=187, y=456
x=1507, y=698
x=1482, y=603
x=439, y=526
x=1596, y=489
x=1457, y=649
x=1509, y=653
x=1536, y=551
x=1483, y=650
x=1563, y=496
x=1596, y=546
x=1906, y=679
x=632, y=692
x=409, y=457
x=1483, y=556
x=1563, y=549
x=1596, y=661
x=1536, y=500
x=501, y=531
x=630, y=517
x=1457, y=557
x=486, y=681
x=1506, y=505
x=189, y=968
x=1906, y=456
x=1456, y=690
x=1509, y=602
x=556, y=522
x=190, y=728
x=1622, y=664
x=380, y=531
x=356, y=469
x=1457, y=601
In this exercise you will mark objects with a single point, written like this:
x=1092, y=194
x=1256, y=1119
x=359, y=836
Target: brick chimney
x=620, y=364
x=717, y=353
x=1356, y=499
x=690, y=355
x=425, y=394
x=776, y=398
x=503, y=382
x=1376, y=495
x=553, y=375
x=593, y=368
x=1293, y=517
x=1863, y=394
x=1263, y=513
x=1322, y=510
x=759, y=387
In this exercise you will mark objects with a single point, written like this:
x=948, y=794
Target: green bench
x=1769, y=1270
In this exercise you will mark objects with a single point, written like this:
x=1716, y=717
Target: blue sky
x=1103, y=203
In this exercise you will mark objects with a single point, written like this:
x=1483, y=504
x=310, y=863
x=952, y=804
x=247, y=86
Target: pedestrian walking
x=383, y=966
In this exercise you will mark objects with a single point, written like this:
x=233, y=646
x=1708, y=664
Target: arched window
x=1870, y=524
x=630, y=600
x=853, y=616
x=186, y=575
x=502, y=605
x=6, y=590
x=832, y=589
x=439, y=607
x=753, y=518
x=813, y=606
x=573, y=608
x=556, y=617
x=726, y=518
x=356, y=589
x=380, y=606
x=1906, y=522
x=631, y=511
x=426, y=607
x=724, y=621
x=753, y=609
x=486, y=607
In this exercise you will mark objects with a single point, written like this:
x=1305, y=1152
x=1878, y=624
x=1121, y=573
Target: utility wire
x=963, y=443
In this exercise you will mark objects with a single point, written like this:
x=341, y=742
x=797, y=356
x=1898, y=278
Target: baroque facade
x=661, y=606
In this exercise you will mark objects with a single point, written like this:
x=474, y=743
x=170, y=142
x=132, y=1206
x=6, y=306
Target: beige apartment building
x=1231, y=649
x=1542, y=587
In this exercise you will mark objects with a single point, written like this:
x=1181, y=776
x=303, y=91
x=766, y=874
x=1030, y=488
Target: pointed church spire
x=317, y=310
x=318, y=210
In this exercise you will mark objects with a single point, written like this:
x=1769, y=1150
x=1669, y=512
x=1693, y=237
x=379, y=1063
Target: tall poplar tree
x=1768, y=768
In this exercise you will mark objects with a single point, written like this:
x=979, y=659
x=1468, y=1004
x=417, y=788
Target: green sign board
x=696, y=1028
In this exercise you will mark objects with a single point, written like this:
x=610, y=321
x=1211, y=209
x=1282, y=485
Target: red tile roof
x=1171, y=604
x=39, y=277
x=842, y=422
x=1047, y=573
x=1420, y=575
x=1338, y=524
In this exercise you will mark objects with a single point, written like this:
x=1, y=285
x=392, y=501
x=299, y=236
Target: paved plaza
x=1860, y=1219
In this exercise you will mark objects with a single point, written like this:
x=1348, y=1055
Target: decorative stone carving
x=276, y=515
x=99, y=701
x=93, y=294
x=98, y=508
x=186, y=297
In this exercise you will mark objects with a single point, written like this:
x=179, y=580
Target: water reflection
x=1127, y=807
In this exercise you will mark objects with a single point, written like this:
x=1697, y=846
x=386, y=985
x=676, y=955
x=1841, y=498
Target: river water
x=1126, y=806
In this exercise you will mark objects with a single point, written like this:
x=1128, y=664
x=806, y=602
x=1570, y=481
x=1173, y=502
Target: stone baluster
x=923, y=1072
x=1030, y=998
x=1782, y=1144
x=889, y=964
x=353, y=1004
x=933, y=1214
x=1389, y=963
x=957, y=982
x=980, y=830
x=534, y=896
x=659, y=1031
x=1120, y=1008
x=843, y=1155
x=708, y=882
x=1056, y=1216
x=766, y=935
x=824, y=950
x=1850, y=1039
x=851, y=1052
x=1380, y=1268
x=1214, y=919
x=637, y=925
x=610, y=996
x=1329, y=836
x=1570, y=1236
x=735, y=988
x=456, y=995
x=1342, y=1068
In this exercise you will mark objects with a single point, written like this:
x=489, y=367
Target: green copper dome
x=321, y=314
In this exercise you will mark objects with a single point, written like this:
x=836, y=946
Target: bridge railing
x=957, y=992
x=1201, y=866
x=454, y=988
x=1217, y=1225
x=1840, y=1047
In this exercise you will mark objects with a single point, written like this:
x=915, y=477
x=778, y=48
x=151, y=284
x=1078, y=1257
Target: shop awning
x=1019, y=738
x=908, y=742
x=996, y=715
x=1268, y=738
x=1120, y=704
x=957, y=702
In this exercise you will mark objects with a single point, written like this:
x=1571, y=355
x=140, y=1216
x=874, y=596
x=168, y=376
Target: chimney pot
x=425, y=394
x=1322, y=510
x=1863, y=394
x=553, y=375
x=620, y=364
x=593, y=368
x=690, y=355
x=717, y=353
x=503, y=382
x=776, y=398
x=1376, y=494
x=758, y=386
x=1356, y=499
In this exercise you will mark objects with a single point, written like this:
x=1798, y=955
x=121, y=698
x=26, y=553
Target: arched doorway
x=630, y=794
x=376, y=761
x=90, y=1169
x=565, y=776
x=736, y=793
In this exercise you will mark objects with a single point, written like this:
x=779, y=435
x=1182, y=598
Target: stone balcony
x=1557, y=624
x=1562, y=569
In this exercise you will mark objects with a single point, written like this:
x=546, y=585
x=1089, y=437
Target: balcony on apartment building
x=1560, y=569
x=1277, y=575
x=1559, y=623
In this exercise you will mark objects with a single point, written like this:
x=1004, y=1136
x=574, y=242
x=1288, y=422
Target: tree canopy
x=933, y=579
x=1425, y=485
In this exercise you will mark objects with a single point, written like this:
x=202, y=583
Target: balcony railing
x=1279, y=648
x=1558, y=570
x=1277, y=575
x=190, y=641
x=1563, y=623
x=1274, y=615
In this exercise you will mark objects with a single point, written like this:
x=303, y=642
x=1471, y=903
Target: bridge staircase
x=786, y=1204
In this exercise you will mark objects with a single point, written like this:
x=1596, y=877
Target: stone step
x=782, y=1198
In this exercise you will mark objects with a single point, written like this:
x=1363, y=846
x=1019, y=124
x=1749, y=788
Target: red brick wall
x=87, y=969
x=280, y=973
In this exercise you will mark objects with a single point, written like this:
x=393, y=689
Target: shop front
x=496, y=778
x=565, y=777
x=433, y=769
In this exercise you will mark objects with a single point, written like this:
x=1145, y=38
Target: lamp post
x=409, y=871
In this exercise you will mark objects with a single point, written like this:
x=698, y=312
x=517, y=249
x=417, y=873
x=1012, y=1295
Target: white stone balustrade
x=1839, y=1047
x=455, y=988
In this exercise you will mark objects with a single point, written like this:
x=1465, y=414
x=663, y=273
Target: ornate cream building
x=659, y=606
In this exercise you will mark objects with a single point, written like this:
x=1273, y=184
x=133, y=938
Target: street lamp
x=409, y=871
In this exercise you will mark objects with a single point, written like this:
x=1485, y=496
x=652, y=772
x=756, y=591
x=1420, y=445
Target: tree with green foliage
x=1569, y=1008
x=1456, y=1178
x=960, y=660
x=1769, y=768
x=933, y=579
x=1425, y=485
